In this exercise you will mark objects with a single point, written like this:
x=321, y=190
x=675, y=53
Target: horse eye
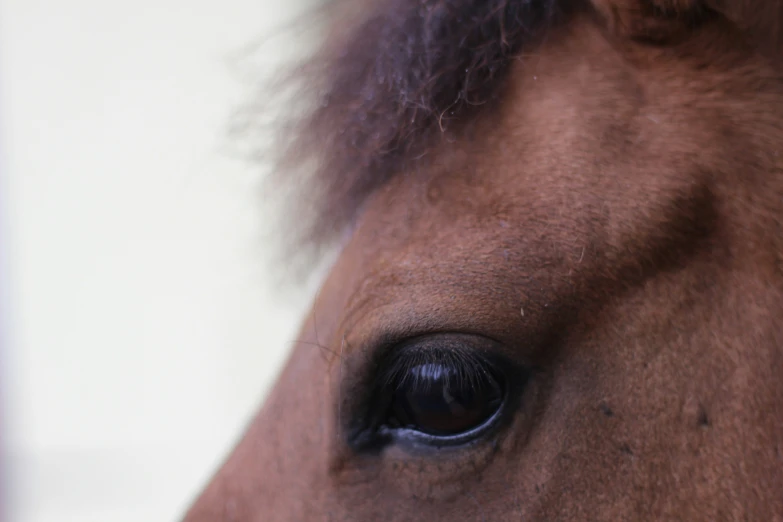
x=435, y=391
x=444, y=400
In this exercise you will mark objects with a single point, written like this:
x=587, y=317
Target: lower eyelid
x=415, y=440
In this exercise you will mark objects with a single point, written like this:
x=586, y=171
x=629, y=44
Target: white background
x=139, y=333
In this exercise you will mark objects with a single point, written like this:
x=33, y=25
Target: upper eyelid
x=521, y=339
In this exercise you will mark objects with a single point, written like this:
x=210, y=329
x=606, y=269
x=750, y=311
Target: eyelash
x=467, y=364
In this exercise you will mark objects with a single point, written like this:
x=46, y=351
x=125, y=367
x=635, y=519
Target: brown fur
x=388, y=88
x=614, y=217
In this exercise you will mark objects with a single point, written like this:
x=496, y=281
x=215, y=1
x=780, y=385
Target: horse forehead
x=534, y=183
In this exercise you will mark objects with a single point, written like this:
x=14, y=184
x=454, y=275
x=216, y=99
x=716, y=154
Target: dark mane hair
x=384, y=86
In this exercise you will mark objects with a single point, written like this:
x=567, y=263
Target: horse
x=558, y=288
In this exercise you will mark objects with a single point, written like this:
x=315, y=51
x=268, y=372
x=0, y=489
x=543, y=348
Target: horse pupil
x=437, y=399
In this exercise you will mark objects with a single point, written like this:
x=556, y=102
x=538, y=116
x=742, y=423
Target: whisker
x=322, y=347
x=340, y=390
x=315, y=321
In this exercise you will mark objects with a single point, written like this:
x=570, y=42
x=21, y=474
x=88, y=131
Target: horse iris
x=444, y=400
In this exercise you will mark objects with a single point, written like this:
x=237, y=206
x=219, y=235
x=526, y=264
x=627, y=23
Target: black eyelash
x=468, y=365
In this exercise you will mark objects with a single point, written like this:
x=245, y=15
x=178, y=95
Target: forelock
x=390, y=78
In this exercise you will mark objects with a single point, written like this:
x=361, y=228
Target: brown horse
x=559, y=294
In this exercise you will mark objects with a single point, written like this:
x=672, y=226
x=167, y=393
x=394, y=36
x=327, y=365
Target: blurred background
x=139, y=327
